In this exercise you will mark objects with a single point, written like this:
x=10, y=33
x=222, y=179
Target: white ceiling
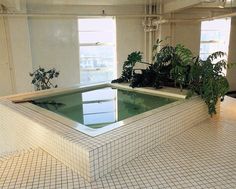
x=207, y=3
x=89, y=2
x=169, y=5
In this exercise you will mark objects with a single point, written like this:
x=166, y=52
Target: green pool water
x=100, y=107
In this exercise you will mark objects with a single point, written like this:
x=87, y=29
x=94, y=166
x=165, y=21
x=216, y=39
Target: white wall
x=20, y=53
x=54, y=44
x=54, y=41
x=231, y=73
x=186, y=33
x=130, y=37
x=6, y=80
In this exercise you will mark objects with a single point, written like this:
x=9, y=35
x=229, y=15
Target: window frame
x=213, y=42
x=113, y=69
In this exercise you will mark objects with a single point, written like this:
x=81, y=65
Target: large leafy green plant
x=157, y=73
x=208, y=80
x=181, y=64
x=42, y=79
x=176, y=66
x=170, y=67
x=128, y=66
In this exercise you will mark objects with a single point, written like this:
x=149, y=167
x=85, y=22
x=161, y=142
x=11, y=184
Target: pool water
x=100, y=107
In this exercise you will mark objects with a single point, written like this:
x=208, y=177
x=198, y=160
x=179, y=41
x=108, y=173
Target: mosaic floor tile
x=6, y=156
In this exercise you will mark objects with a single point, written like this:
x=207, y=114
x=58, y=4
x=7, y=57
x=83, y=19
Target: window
x=214, y=37
x=97, y=49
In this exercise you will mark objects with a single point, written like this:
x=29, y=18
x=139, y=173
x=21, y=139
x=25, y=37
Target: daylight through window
x=97, y=49
x=214, y=37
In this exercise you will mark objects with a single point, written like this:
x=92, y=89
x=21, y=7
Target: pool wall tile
x=148, y=135
x=93, y=157
x=20, y=133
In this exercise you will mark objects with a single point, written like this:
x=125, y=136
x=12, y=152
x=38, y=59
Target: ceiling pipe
x=145, y=34
x=78, y=15
x=177, y=5
x=150, y=33
x=161, y=6
x=219, y=16
x=156, y=21
x=164, y=21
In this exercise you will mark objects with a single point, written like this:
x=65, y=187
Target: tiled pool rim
x=94, y=157
x=95, y=132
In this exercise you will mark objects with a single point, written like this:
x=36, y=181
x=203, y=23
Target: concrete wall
x=231, y=73
x=186, y=33
x=130, y=37
x=54, y=44
x=130, y=33
x=20, y=53
x=6, y=80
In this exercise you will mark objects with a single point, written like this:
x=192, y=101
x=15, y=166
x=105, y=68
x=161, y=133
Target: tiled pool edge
x=151, y=133
x=25, y=133
x=102, y=158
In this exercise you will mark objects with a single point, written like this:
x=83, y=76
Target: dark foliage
x=42, y=78
x=208, y=81
x=128, y=65
x=176, y=66
x=48, y=104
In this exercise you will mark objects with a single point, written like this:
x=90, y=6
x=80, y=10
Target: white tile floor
x=202, y=157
